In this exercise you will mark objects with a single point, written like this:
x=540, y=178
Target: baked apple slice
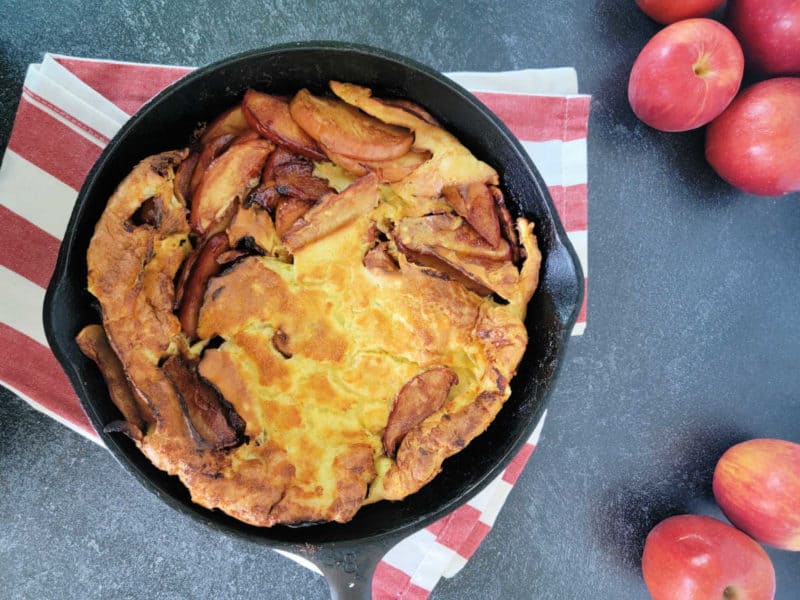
x=417, y=400
x=378, y=258
x=506, y=222
x=449, y=231
x=212, y=421
x=282, y=161
x=475, y=203
x=333, y=212
x=209, y=152
x=183, y=178
x=451, y=162
x=252, y=229
x=287, y=213
x=411, y=107
x=351, y=165
x=436, y=266
x=193, y=287
x=227, y=179
x=346, y=130
x=388, y=171
x=269, y=115
x=247, y=136
x=304, y=187
x=451, y=246
x=93, y=343
x=231, y=122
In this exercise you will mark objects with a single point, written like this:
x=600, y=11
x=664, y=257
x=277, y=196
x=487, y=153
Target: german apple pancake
x=311, y=307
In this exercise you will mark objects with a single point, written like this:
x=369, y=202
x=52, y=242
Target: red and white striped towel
x=69, y=110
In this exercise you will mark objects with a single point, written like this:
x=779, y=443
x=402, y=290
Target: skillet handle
x=348, y=568
x=564, y=277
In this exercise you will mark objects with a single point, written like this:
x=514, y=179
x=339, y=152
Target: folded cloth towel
x=71, y=107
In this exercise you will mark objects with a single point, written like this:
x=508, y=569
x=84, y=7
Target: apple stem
x=701, y=67
x=730, y=593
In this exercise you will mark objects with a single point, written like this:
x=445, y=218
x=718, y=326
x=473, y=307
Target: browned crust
x=424, y=449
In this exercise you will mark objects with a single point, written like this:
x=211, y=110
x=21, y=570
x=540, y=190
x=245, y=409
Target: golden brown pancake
x=336, y=363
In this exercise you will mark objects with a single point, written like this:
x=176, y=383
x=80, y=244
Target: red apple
x=692, y=557
x=669, y=11
x=769, y=31
x=757, y=486
x=755, y=144
x=686, y=75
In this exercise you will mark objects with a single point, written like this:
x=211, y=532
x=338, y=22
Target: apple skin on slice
x=418, y=399
x=378, y=258
x=231, y=122
x=388, y=171
x=345, y=130
x=506, y=223
x=288, y=211
x=94, y=343
x=475, y=203
x=208, y=153
x=212, y=421
x=183, y=178
x=253, y=229
x=283, y=161
x=332, y=212
x=448, y=244
x=269, y=115
x=201, y=267
x=411, y=107
x=228, y=178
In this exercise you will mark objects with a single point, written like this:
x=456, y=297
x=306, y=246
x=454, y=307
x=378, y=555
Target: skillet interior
x=168, y=122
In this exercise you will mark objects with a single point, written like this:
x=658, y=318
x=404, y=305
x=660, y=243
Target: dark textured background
x=693, y=341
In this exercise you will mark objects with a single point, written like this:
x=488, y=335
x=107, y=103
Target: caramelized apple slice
x=475, y=203
x=208, y=154
x=183, y=178
x=287, y=175
x=231, y=122
x=213, y=422
x=229, y=177
x=281, y=343
x=378, y=258
x=506, y=222
x=351, y=165
x=348, y=131
x=229, y=257
x=269, y=115
x=289, y=210
x=388, y=171
x=304, y=187
x=449, y=231
x=333, y=212
x=413, y=108
x=148, y=214
x=451, y=246
x=203, y=268
x=247, y=136
x=252, y=228
x=436, y=266
x=417, y=400
x=265, y=196
x=391, y=171
x=183, y=279
x=451, y=163
x=282, y=161
x=93, y=343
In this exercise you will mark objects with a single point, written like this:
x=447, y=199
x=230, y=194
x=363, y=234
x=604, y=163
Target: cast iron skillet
x=346, y=554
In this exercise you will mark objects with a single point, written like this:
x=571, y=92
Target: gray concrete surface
x=692, y=344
